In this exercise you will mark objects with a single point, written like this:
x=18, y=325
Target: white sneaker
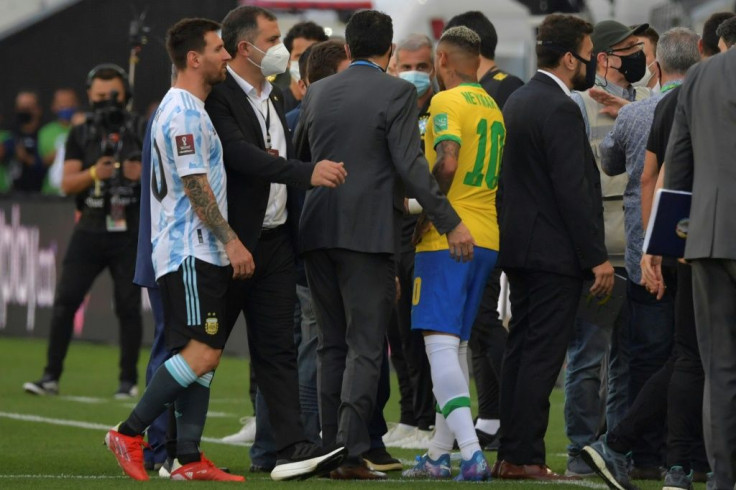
x=420, y=440
x=397, y=434
x=246, y=434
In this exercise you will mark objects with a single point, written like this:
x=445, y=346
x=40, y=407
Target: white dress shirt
x=557, y=80
x=276, y=209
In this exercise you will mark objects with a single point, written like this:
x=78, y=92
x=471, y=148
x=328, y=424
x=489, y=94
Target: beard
x=579, y=80
x=216, y=77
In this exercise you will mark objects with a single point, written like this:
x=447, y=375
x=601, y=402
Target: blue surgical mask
x=419, y=79
x=66, y=114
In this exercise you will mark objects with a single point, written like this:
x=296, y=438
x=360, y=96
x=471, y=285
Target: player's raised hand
x=328, y=174
x=240, y=258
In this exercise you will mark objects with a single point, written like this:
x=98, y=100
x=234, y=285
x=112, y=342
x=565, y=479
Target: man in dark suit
x=551, y=224
x=248, y=115
x=349, y=235
x=703, y=131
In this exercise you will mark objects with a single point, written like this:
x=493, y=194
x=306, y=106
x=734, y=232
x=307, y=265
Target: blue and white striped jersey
x=183, y=142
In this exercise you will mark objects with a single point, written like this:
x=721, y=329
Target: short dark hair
x=479, y=23
x=303, y=59
x=306, y=30
x=324, y=58
x=727, y=30
x=241, y=23
x=710, y=38
x=559, y=34
x=187, y=35
x=369, y=33
x=651, y=34
x=464, y=38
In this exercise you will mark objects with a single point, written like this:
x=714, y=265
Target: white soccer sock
x=451, y=390
x=489, y=426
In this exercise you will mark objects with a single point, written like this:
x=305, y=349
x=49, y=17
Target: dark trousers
x=377, y=424
x=409, y=356
x=487, y=343
x=267, y=301
x=353, y=297
x=650, y=337
x=674, y=393
x=646, y=416
x=685, y=445
x=543, y=307
x=714, y=295
x=156, y=433
x=87, y=256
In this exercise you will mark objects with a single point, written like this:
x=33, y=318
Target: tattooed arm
x=443, y=172
x=202, y=199
x=446, y=164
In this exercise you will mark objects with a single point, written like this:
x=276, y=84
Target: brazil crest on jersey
x=183, y=142
x=467, y=115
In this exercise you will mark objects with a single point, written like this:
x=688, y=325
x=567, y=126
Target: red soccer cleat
x=129, y=453
x=201, y=470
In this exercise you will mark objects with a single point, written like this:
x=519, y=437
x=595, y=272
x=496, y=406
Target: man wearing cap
x=620, y=62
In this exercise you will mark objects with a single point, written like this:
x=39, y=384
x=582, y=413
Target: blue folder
x=668, y=224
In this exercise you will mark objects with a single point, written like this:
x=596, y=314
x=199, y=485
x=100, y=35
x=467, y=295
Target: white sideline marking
x=87, y=425
x=83, y=399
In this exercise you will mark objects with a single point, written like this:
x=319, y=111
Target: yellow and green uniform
x=467, y=115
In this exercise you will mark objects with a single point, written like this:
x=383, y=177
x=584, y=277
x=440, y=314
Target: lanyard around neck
x=266, y=118
x=366, y=63
x=669, y=86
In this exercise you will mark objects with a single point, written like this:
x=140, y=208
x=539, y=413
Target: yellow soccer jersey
x=467, y=115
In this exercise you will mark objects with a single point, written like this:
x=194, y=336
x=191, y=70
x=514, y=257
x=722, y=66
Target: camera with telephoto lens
x=109, y=114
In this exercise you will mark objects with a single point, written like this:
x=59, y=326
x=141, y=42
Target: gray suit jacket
x=701, y=156
x=368, y=120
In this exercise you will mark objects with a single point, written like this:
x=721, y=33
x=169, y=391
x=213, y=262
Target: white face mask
x=274, y=61
x=294, y=70
x=648, y=74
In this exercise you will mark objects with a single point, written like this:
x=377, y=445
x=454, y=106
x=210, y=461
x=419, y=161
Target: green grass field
x=56, y=442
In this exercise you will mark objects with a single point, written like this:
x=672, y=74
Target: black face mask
x=23, y=117
x=633, y=66
x=579, y=84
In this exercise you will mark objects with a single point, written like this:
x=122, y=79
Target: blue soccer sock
x=191, y=413
x=169, y=381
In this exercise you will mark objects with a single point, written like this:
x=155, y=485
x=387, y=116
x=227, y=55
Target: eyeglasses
x=634, y=48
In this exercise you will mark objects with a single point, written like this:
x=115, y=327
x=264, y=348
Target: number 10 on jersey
x=497, y=135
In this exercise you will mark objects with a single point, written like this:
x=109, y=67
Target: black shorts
x=194, y=300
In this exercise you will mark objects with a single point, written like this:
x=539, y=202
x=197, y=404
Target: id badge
x=115, y=221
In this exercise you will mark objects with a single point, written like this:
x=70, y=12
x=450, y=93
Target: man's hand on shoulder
x=604, y=274
x=461, y=243
x=240, y=258
x=328, y=174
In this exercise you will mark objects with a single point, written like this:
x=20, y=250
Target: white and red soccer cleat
x=129, y=453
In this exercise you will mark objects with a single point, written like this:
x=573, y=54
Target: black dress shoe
x=489, y=442
x=356, y=472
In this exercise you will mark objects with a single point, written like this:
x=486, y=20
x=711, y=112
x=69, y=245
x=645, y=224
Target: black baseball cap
x=609, y=33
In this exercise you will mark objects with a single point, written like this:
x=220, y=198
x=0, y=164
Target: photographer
x=102, y=168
